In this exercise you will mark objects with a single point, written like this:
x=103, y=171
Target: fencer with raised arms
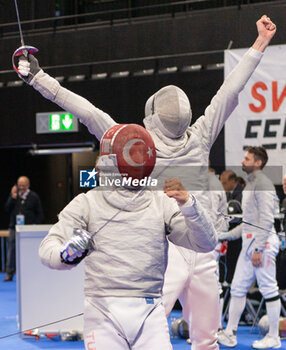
x=190, y=276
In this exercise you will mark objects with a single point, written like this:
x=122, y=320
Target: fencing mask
x=169, y=110
x=129, y=149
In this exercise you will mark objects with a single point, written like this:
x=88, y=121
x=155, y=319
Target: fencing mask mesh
x=171, y=110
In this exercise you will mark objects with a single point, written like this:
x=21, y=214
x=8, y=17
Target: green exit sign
x=55, y=122
x=61, y=122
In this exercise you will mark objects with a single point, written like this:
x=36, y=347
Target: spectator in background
x=241, y=181
x=24, y=207
x=233, y=189
x=231, y=185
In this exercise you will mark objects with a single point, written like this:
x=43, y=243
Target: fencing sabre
x=23, y=50
x=237, y=220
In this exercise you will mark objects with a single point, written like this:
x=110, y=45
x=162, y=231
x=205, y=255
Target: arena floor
x=8, y=326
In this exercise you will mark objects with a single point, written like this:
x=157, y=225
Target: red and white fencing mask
x=131, y=148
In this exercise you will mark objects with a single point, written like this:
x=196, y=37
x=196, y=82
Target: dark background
x=117, y=37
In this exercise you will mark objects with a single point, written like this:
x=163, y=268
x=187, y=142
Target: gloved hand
x=231, y=235
x=224, y=236
x=77, y=247
x=234, y=219
x=28, y=68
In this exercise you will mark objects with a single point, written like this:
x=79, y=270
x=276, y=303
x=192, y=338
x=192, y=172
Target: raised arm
x=189, y=226
x=93, y=118
x=266, y=30
x=226, y=99
x=11, y=201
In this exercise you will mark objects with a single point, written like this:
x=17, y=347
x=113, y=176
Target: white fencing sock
x=273, y=309
x=221, y=300
x=236, y=308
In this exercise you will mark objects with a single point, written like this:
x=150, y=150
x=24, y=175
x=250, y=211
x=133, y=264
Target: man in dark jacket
x=233, y=191
x=231, y=185
x=24, y=207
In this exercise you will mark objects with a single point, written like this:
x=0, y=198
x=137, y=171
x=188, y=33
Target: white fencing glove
x=231, y=235
x=28, y=68
x=77, y=247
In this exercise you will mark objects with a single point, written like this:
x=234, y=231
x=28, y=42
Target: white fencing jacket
x=130, y=255
x=191, y=151
x=258, y=205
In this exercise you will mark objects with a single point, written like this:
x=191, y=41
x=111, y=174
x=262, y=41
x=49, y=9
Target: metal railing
x=143, y=66
x=127, y=14
x=121, y=15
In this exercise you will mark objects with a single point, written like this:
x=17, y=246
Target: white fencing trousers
x=245, y=272
x=195, y=284
x=121, y=323
x=217, y=256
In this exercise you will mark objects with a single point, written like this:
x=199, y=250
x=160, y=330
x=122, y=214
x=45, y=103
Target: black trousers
x=11, y=256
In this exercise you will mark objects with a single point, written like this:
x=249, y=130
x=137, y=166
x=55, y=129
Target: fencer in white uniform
x=219, y=204
x=168, y=116
x=192, y=276
x=218, y=201
x=257, y=258
x=120, y=231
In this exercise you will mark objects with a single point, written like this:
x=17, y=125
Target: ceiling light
x=98, y=76
x=122, y=74
x=43, y=152
x=74, y=78
x=168, y=70
x=192, y=68
x=15, y=83
x=215, y=66
x=144, y=72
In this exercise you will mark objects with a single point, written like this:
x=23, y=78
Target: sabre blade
x=19, y=23
x=23, y=50
x=238, y=220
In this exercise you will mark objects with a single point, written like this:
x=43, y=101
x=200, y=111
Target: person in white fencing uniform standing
x=257, y=258
x=167, y=117
x=121, y=232
x=219, y=203
x=191, y=276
